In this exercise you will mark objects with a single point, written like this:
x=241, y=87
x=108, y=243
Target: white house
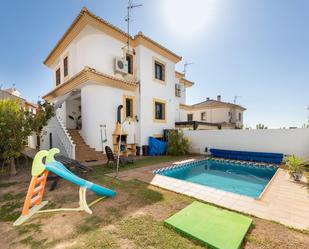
x=95, y=73
x=211, y=114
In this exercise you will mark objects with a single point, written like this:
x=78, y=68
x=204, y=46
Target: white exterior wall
x=95, y=49
x=52, y=128
x=72, y=108
x=62, y=114
x=91, y=48
x=216, y=115
x=150, y=89
x=179, y=114
x=287, y=141
x=99, y=106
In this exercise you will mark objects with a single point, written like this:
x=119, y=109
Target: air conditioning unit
x=121, y=65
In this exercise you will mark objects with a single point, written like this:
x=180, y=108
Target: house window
x=190, y=117
x=65, y=67
x=159, y=71
x=58, y=77
x=159, y=110
x=177, y=90
x=239, y=116
x=128, y=106
x=203, y=115
x=129, y=59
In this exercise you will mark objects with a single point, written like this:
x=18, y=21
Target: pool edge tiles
x=168, y=171
x=203, y=193
x=193, y=163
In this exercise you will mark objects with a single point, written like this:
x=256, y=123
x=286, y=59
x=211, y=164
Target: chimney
x=219, y=98
x=207, y=98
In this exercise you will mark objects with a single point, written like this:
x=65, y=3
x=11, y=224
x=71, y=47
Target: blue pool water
x=244, y=179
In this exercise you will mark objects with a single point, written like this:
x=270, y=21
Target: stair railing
x=65, y=137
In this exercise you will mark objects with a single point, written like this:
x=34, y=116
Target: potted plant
x=295, y=167
x=76, y=118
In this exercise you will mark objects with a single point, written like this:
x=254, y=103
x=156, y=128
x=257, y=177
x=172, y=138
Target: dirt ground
x=133, y=219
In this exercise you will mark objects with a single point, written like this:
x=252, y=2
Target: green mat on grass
x=217, y=228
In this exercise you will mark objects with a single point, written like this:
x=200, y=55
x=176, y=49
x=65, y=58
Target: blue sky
x=256, y=49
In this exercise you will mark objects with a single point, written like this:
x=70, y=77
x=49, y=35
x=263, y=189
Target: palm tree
x=261, y=127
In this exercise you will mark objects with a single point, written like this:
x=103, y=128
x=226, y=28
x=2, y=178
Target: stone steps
x=83, y=152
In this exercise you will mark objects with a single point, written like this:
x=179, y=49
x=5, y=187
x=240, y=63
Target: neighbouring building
x=211, y=114
x=95, y=74
x=13, y=93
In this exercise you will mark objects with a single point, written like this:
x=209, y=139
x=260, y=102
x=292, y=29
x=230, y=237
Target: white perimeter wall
x=286, y=141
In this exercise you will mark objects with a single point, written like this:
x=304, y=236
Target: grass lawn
x=146, y=161
x=133, y=219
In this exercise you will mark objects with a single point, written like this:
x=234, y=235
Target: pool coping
x=268, y=185
x=254, y=164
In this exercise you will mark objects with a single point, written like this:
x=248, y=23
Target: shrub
x=295, y=166
x=177, y=144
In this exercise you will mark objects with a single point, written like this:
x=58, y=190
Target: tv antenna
x=235, y=98
x=130, y=6
x=185, y=66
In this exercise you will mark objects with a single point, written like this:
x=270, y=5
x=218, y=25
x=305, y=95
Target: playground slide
x=60, y=170
x=34, y=198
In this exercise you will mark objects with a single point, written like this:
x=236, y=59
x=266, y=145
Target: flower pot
x=297, y=176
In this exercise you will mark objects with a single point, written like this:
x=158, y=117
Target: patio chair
x=111, y=157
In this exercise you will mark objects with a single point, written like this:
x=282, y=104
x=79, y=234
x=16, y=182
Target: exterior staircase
x=83, y=152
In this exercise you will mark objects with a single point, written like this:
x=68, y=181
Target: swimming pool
x=248, y=179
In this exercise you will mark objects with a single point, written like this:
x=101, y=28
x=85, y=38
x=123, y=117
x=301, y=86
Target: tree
x=261, y=127
x=15, y=127
x=16, y=124
x=45, y=111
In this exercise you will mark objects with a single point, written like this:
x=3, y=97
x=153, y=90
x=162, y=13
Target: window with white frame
x=177, y=90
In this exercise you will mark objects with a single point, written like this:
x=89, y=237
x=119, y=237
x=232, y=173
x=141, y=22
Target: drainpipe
x=119, y=113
